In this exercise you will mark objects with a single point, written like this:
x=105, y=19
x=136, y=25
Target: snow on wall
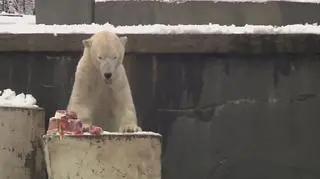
x=235, y=1
x=160, y=29
x=25, y=19
x=9, y=98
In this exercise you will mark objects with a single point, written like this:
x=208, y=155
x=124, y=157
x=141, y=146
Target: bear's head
x=106, y=50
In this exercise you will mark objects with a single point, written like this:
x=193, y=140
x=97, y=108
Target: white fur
x=97, y=100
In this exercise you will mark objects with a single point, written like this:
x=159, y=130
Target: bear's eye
x=99, y=58
x=114, y=58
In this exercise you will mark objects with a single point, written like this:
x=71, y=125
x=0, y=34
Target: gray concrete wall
x=191, y=12
x=64, y=11
x=205, y=12
x=245, y=109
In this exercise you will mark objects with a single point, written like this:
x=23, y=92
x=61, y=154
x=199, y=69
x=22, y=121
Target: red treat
x=78, y=132
x=53, y=123
x=63, y=124
x=60, y=113
x=74, y=124
x=72, y=115
x=66, y=122
x=95, y=130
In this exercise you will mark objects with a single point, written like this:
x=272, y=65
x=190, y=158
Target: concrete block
x=111, y=156
x=64, y=11
x=21, y=155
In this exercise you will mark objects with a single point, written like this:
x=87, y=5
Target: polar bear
x=101, y=93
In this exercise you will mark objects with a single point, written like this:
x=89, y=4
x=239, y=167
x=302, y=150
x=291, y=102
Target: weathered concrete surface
x=204, y=12
x=21, y=156
x=191, y=12
x=64, y=11
x=171, y=44
x=111, y=156
x=250, y=112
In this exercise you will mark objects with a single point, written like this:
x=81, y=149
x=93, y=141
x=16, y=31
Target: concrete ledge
x=109, y=156
x=179, y=43
x=224, y=13
x=20, y=153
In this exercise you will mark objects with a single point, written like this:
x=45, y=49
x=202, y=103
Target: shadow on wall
x=231, y=116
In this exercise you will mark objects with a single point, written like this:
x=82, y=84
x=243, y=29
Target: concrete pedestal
x=21, y=155
x=111, y=156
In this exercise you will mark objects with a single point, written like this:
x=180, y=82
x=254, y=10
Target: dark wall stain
x=179, y=81
x=282, y=68
x=30, y=161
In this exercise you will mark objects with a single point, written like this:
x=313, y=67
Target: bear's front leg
x=81, y=100
x=125, y=112
x=129, y=122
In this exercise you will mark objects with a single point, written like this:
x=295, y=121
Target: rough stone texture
x=204, y=12
x=111, y=156
x=64, y=11
x=223, y=113
x=175, y=43
x=21, y=154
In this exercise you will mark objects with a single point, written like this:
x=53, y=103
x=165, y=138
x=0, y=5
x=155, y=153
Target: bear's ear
x=87, y=42
x=124, y=40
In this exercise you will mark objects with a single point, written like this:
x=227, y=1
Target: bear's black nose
x=107, y=75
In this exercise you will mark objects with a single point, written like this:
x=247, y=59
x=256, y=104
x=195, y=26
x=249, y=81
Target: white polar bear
x=101, y=93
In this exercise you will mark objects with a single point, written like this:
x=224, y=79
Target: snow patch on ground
x=235, y=1
x=9, y=98
x=160, y=29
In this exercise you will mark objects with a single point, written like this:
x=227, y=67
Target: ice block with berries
x=67, y=123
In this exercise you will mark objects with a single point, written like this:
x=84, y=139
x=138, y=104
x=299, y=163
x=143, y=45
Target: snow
x=106, y=133
x=9, y=98
x=6, y=19
x=235, y=1
x=160, y=29
x=136, y=133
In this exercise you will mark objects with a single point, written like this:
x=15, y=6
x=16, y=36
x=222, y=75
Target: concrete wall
x=75, y=11
x=228, y=106
x=123, y=12
x=205, y=12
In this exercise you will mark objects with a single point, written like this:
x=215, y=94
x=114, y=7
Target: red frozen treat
x=60, y=113
x=66, y=122
x=72, y=115
x=78, y=132
x=53, y=123
x=74, y=125
x=95, y=130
